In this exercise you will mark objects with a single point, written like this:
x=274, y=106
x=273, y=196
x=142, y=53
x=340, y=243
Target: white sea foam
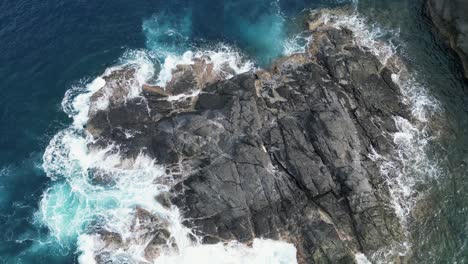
x=361, y=258
x=297, y=43
x=181, y=97
x=76, y=102
x=144, y=66
x=78, y=107
x=220, y=56
x=261, y=252
x=365, y=34
x=88, y=245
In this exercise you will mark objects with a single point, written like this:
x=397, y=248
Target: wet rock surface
x=284, y=153
x=449, y=16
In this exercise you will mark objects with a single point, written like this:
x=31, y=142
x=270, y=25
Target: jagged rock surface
x=450, y=17
x=280, y=154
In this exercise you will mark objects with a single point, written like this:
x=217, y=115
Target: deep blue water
x=47, y=46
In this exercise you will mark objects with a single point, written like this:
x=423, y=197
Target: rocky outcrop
x=284, y=153
x=449, y=16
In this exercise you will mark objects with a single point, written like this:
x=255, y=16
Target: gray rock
x=280, y=154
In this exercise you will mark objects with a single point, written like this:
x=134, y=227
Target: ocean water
x=53, y=52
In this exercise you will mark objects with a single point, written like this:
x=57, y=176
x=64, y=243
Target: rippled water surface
x=48, y=47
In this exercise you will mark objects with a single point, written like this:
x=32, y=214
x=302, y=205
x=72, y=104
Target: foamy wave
x=365, y=34
x=261, y=252
x=142, y=62
x=221, y=57
x=76, y=102
x=361, y=259
x=297, y=44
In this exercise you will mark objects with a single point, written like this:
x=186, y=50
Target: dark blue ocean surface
x=48, y=46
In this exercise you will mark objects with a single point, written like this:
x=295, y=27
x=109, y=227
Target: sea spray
x=261, y=252
x=361, y=259
x=220, y=56
x=297, y=43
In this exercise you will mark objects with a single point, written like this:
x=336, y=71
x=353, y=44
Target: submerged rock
x=449, y=16
x=284, y=153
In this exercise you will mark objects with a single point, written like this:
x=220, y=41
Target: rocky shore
x=283, y=153
x=449, y=16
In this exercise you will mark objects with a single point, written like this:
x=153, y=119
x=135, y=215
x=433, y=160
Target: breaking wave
x=221, y=56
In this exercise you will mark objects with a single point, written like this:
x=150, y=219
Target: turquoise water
x=48, y=47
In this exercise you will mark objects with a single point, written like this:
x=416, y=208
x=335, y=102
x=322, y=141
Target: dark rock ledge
x=451, y=19
x=280, y=153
